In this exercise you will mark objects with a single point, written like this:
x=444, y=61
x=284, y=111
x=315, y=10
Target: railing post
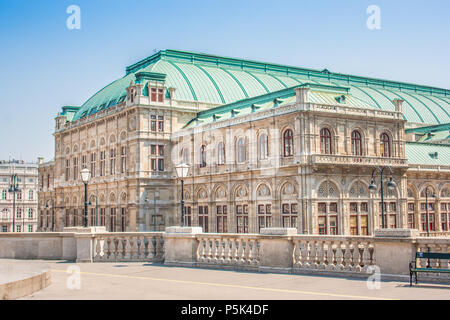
x=276, y=248
x=181, y=246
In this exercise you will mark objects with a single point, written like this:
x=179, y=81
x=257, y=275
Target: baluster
x=234, y=251
x=307, y=255
x=339, y=256
x=121, y=249
x=356, y=257
x=329, y=256
x=445, y=262
x=228, y=250
x=203, y=250
x=139, y=248
x=109, y=251
x=321, y=255
x=434, y=262
x=423, y=262
x=127, y=249
x=214, y=249
x=296, y=254
x=365, y=256
x=313, y=255
x=257, y=257
x=161, y=251
x=247, y=254
x=347, y=256
x=251, y=247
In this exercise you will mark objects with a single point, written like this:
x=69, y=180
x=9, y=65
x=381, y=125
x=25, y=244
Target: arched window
x=325, y=141
x=241, y=150
x=385, y=145
x=263, y=146
x=185, y=155
x=288, y=143
x=221, y=153
x=203, y=156
x=356, y=143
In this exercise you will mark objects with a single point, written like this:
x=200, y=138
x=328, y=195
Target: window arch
x=241, y=150
x=356, y=143
x=325, y=141
x=288, y=143
x=263, y=147
x=202, y=156
x=221, y=153
x=385, y=145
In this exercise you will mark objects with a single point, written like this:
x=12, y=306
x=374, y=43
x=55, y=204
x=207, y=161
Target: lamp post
x=182, y=171
x=391, y=186
x=13, y=188
x=426, y=204
x=85, y=176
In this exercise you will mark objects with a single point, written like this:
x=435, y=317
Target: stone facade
x=26, y=199
x=302, y=164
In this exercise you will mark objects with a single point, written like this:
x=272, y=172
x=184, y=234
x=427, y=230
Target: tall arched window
x=288, y=143
x=325, y=141
x=263, y=146
x=185, y=155
x=356, y=143
x=203, y=156
x=221, y=153
x=385, y=145
x=241, y=150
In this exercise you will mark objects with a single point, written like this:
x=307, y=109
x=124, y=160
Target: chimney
x=398, y=104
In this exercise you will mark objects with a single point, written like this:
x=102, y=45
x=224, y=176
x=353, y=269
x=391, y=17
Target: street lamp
x=13, y=188
x=426, y=204
x=85, y=176
x=373, y=187
x=182, y=172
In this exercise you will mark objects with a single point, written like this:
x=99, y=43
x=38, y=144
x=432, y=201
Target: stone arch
x=74, y=200
x=220, y=191
x=202, y=193
x=101, y=198
x=83, y=146
x=123, y=136
x=123, y=197
x=112, y=138
x=411, y=191
x=328, y=189
x=263, y=190
x=445, y=192
x=287, y=189
x=358, y=189
x=102, y=141
x=67, y=150
x=75, y=148
x=240, y=191
x=112, y=197
x=92, y=144
x=432, y=189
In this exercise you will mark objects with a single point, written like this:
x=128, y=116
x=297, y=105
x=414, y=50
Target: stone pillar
x=181, y=246
x=394, y=249
x=276, y=247
x=84, y=242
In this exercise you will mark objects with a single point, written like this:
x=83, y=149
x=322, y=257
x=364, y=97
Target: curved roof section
x=220, y=80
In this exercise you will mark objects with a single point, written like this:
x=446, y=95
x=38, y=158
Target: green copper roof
x=427, y=153
x=220, y=80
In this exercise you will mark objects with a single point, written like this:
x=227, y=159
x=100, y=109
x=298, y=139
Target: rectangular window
x=123, y=159
x=19, y=228
x=411, y=223
x=153, y=150
x=93, y=158
x=75, y=168
x=322, y=220
x=160, y=95
x=112, y=162
x=153, y=164
x=222, y=219
x=83, y=162
x=67, y=169
x=160, y=123
x=242, y=218
x=333, y=225
x=188, y=213
x=203, y=217
x=153, y=123
x=364, y=225
x=444, y=221
x=102, y=163
x=161, y=164
x=353, y=225
x=161, y=150
x=30, y=228
x=153, y=94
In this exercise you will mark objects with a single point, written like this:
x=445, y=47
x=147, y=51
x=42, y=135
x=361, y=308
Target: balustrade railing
x=331, y=253
x=433, y=245
x=132, y=246
x=228, y=249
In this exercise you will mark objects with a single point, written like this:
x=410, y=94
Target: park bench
x=427, y=255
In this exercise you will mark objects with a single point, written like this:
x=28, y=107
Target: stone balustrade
x=273, y=250
x=228, y=249
x=128, y=246
x=356, y=160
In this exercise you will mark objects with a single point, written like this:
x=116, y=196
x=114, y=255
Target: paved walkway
x=152, y=281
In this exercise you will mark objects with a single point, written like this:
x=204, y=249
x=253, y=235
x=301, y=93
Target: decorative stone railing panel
x=356, y=160
x=228, y=249
x=134, y=246
x=352, y=254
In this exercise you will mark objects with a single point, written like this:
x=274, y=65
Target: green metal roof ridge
x=213, y=82
x=414, y=109
x=279, y=80
x=236, y=80
x=442, y=108
x=185, y=78
x=267, y=97
x=427, y=129
x=216, y=60
x=421, y=102
x=258, y=80
x=441, y=145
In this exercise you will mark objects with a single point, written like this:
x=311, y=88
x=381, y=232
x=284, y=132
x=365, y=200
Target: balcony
x=344, y=160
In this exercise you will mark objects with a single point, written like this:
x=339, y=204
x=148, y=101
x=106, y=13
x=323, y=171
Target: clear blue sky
x=44, y=65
